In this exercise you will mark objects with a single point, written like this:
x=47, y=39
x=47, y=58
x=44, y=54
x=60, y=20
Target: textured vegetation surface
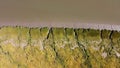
x=23, y=47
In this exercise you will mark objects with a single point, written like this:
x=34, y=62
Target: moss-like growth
x=59, y=33
x=44, y=32
x=105, y=34
x=23, y=47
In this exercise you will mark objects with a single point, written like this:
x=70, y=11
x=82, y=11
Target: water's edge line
x=67, y=25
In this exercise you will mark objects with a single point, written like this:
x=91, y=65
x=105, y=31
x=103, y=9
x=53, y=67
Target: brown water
x=62, y=11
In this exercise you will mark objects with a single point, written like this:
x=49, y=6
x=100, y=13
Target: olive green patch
x=23, y=47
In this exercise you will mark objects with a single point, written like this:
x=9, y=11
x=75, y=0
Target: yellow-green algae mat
x=23, y=47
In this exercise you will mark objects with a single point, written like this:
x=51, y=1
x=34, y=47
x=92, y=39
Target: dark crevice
x=48, y=33
x=84, y=50
x=110, y=36
x=29, y=37
x=101, y=36
x=57, y=55
x=46, y=38
x=52, y=46
x=111, y=44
